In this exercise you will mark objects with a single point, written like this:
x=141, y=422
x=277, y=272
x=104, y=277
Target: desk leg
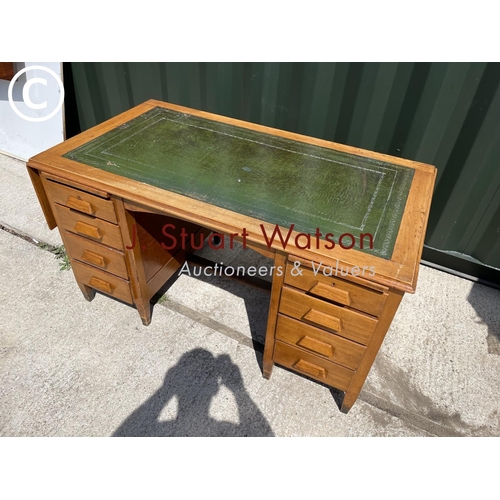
x=133, y=257
x=279, y=262
x=385, y=320
x=88, y=293
x=144, y=312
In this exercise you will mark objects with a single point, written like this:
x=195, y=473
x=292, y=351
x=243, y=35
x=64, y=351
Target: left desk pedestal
x=113, y=250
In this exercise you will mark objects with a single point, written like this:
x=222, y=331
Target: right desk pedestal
x=327, y=326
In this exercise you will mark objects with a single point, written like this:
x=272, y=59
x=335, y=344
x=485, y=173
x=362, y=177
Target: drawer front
x=336, y=290
x=102, y=281
x=95, y=254
x=345, y=322
x=82, y=201
x=318, y=342
x=312, y=366
x=89, y=227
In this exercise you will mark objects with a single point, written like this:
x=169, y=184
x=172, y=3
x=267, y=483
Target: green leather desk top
x=277, y=180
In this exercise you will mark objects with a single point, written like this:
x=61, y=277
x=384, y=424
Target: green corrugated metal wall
x=446, y=114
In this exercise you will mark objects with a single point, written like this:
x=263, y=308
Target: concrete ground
x=73, y=368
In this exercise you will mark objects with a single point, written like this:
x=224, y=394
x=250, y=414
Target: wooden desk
x=122, y=192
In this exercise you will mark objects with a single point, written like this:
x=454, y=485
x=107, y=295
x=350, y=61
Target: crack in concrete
x=38, y=243
x=204, y=320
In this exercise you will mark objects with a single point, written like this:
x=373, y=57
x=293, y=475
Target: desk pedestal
x=325, y=327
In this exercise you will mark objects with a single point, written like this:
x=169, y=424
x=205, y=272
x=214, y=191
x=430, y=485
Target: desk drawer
x=336, y=290
x=313, y=366
x=89, y=227
x=345, y=322
x=82, y=201
x=101, y=281
x=318, y=342
x=95, y=254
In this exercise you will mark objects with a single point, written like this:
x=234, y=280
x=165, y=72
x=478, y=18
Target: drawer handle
x=94, y=258
x=323, y=319
x=88, y=230
x=310, y=369
x=316, y=346
x=81, y=205
x=331, y=293
x=102, y=285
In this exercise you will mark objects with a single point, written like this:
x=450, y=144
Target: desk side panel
x=272, y=319
x=384, y=322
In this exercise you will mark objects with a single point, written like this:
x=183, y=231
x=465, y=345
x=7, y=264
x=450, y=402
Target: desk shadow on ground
x=485, y=301
x=194, y=381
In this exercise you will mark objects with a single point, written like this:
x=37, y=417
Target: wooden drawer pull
x=330, y=292
x=310, y=369
x=94, y=258
x=102, y=285
x=316, y=346
x=323, y=319
x=81, y=205
x=88, y=230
